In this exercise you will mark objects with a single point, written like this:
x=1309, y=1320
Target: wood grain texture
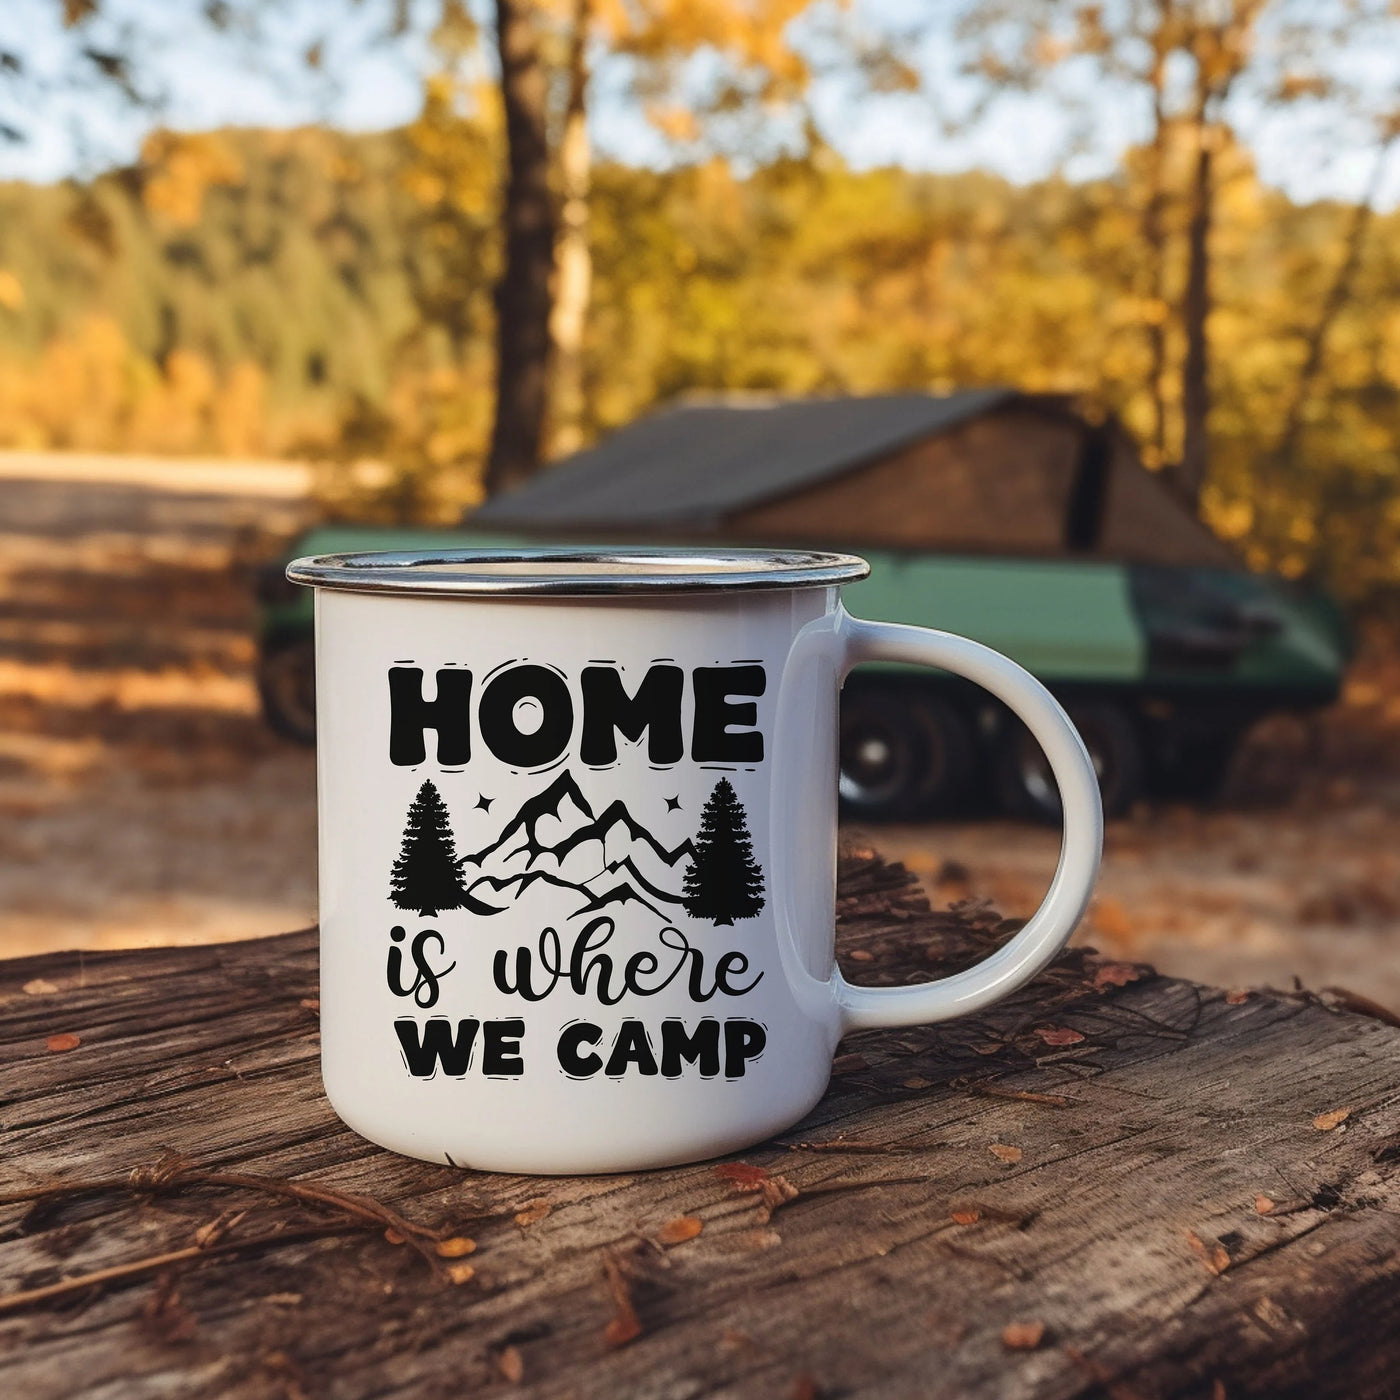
x=1128, y=1227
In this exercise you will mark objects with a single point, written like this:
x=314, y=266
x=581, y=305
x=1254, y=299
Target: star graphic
x=673, y=804
x=483, y=803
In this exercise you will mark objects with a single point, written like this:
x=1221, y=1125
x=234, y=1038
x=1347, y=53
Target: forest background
x=333, y=295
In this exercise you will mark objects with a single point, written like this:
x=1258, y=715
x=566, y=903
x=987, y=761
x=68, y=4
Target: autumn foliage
x=328, y=295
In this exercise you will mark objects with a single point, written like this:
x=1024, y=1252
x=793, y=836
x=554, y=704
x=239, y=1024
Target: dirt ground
x=142, y=801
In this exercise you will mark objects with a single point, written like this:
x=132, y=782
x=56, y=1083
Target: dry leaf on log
x=533, y=1211
x=625, y=1326
x=66, y=1040
x=1263, y=1205
x=1325, y=1122
x=1117, y=974
x=511, y=1364
x=967, y=1217
x=1237, y=997
x=455, y=1247
x=39, y=987
x=1059, y=1035
x=461, y=1273
x=1215, y=1256
x=1004, y=1152
x=1022, y=1336
x=679, y=1230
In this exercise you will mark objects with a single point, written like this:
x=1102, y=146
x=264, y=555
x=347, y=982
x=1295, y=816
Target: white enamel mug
x=577, y=844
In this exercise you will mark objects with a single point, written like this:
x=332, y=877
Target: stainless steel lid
x=570, y=571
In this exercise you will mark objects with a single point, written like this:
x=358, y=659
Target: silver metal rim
x=574, y=572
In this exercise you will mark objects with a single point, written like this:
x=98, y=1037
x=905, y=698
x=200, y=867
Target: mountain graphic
x=607, y=859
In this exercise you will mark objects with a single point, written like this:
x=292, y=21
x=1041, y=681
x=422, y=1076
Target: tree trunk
x=1154, y=236
x=573, y=264
x=1195, y=314
x=523, y=293
x=1338, y=294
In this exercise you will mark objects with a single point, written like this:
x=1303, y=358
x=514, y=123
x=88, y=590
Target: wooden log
x=1114, y=1184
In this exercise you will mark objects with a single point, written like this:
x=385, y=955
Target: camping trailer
x=1011, y=518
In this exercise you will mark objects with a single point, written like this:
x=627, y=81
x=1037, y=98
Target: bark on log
x=1175, y=1224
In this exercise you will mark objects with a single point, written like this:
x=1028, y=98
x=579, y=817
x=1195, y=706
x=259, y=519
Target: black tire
x=1196, y=771
x=1025, y=787
x=287, y=688
x=903, y=755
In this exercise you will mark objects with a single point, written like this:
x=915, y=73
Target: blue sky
x=205, y=80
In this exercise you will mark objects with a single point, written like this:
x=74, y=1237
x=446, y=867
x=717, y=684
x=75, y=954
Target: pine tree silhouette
x=425, y=874
x=724, y=881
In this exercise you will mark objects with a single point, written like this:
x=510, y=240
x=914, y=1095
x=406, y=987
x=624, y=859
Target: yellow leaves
x=11, y=290
x=179, y=169
x=455, y=1247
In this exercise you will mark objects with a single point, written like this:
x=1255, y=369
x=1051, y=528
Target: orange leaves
x=968, y=1216
x=1004, y=1152
x=625, y=1326
x=1022, y=1336
x=1325, y=1122
x=533, y=1211
x=1214, y=1255
x=1059, y=1035
x=65, y=1040
x=679, y=1230
x=455, y=1247
x=1117, y=974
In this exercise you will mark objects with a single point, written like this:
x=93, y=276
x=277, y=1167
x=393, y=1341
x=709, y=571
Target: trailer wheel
x=1026, y=788
x=902, y=755
x=287, y=688
x=1196, y=772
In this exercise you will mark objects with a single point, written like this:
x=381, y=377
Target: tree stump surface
x=1113, y=1184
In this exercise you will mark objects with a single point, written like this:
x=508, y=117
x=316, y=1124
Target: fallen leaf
x=991, y=1048
x=511, y=1364
x=1325, y=1122
x=744, y=1176
x=861, y=955
x=967, y=1217
x=1117, y=974
x=1263, y=1205
x=1215, y=1257
x=532, y=1212
x=393, y=1236
x=1059, y=1035
x=1022, y=1336
x=455, y=1247
x=849, y=1064
x=1004, y=1153
x=918, y=1082
x=1236, y=997
x=461, y=1273
x=39, y=987
x=679, y=1230
x=625, y=1326
x=66, y=1040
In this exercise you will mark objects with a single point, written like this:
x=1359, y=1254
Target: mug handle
x=1049, y=928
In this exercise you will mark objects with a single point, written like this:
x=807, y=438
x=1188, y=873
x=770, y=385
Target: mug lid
x=574, y=571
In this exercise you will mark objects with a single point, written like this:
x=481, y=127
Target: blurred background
x=1081, y=320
